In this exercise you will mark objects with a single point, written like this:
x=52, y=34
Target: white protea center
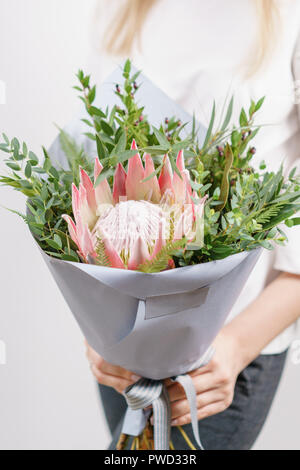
x=128, y=222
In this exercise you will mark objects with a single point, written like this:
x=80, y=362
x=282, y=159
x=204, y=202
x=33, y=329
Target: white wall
x=47, y=395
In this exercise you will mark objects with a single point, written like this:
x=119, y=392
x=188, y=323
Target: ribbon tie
x=148, y=392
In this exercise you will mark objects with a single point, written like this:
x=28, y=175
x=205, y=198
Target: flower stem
x=186, y=438
x=122, y=442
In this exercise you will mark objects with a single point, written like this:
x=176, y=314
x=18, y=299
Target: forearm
x=272, y=312
x=238, y=344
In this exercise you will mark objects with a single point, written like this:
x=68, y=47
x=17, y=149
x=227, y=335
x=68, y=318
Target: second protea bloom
x=138, y=216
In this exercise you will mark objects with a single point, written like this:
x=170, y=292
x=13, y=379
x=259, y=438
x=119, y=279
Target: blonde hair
x=127, y=25
x=269, y=25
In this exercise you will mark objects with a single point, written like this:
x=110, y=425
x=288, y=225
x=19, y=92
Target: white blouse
x=196, y=51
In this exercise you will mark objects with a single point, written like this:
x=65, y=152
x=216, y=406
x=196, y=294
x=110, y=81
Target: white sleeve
x=288, y=258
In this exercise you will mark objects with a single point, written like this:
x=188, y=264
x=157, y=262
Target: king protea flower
x=138, y=216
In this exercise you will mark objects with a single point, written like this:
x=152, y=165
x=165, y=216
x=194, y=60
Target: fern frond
x=161, y=260
x=75, y=154
x=102, y=258
x=25, y=219
x=267, y=214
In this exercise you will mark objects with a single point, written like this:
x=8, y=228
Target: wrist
x=239, y=356
x=240, y=347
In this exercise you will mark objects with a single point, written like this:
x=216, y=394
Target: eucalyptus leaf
x=28, y=170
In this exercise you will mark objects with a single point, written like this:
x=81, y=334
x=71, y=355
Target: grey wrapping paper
x=138, y=321
x=156, y=325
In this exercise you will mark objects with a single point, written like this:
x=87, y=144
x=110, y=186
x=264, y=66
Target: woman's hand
x=237, y=345
x=109, y=375
x=214, y=383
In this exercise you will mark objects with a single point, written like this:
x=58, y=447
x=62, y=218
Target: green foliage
x=115, y=130
x=75, y=155
x=102, y=258
x=161, y=261
x=244, y=208
x=225, y=185
x=48, y=190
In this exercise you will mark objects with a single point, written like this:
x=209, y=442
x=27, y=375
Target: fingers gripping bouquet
x=145, y=226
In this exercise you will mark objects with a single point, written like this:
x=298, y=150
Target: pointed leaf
x=210, y=127
x=102, y=152
x=163, y=141
x=228, y=115
x=107, y=129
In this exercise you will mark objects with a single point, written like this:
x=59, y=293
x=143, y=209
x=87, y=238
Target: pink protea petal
x=90, y=190
x=199, y=203
x=72, y=228
x=135, y=188
x=139, y=254
x=199, y=208
x=113, y=257
x=102, y=191
x=179, y=228
x=83, y=204
x=199, y=223
x=84, y=241
x=152, y=185
x=166, y=177
x=80, y=234
x=82, y=195
x=180, y=161
x=182, y=186
x=75, y=200
x=180, y=189
x=160, y=242
x=85, y=213
x=88, y=246
x=187, y=178
x=188, y=220
x=119, y=184
x=97, y=169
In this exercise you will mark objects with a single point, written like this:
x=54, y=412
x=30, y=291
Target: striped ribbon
x=148, y=392
x=186, y=382
x=141, y=395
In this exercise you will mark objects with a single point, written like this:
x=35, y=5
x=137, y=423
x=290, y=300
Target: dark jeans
x=238, y=427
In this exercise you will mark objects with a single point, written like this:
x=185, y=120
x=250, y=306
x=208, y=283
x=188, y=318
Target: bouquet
x=146, y=222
